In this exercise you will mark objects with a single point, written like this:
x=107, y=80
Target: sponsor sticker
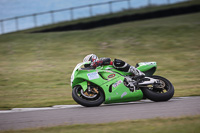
x=93, y=75
x=124, y=94
x=111, y=75
x=117, y=83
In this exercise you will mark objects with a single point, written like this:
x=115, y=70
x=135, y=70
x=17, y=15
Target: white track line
x=34, y=109
x=69, y=106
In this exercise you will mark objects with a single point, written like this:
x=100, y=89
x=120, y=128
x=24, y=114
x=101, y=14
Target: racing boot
x=138, y=74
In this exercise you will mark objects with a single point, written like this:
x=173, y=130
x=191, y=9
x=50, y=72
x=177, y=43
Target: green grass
x=35, y=69
x=158, y=125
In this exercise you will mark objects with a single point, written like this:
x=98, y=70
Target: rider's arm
x=101, y=61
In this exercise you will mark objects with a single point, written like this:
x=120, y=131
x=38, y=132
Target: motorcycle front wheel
x=88, y=99
x=162, y=92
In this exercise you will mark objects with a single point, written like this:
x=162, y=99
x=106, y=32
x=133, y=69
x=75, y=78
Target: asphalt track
x=67, y=115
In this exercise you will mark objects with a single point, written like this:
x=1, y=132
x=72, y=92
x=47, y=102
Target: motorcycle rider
x=118, y=64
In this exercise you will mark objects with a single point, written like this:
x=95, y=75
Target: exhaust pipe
x=150, y=82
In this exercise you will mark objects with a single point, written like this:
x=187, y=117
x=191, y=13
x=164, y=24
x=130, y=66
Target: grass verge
x=190, y=124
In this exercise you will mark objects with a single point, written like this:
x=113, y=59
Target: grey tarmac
x=68, y=115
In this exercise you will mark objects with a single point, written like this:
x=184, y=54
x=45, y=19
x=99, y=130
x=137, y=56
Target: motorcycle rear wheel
x=85, y=101
x=162, y=93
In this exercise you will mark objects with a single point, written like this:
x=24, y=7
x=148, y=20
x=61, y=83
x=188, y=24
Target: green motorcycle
x=105, y=84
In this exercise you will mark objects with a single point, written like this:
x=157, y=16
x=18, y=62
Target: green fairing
x=147, y=67
x=83, y=85
x=111, y=82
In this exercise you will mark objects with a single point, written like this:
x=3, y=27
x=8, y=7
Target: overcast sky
x=13, y=8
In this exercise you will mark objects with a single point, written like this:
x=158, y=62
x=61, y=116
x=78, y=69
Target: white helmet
x=90, y=57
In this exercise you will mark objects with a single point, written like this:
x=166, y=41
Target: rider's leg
x=123, y=66
x=138, y=73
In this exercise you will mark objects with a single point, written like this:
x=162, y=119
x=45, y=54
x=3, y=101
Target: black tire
x=156, y=95
x=87, y=102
